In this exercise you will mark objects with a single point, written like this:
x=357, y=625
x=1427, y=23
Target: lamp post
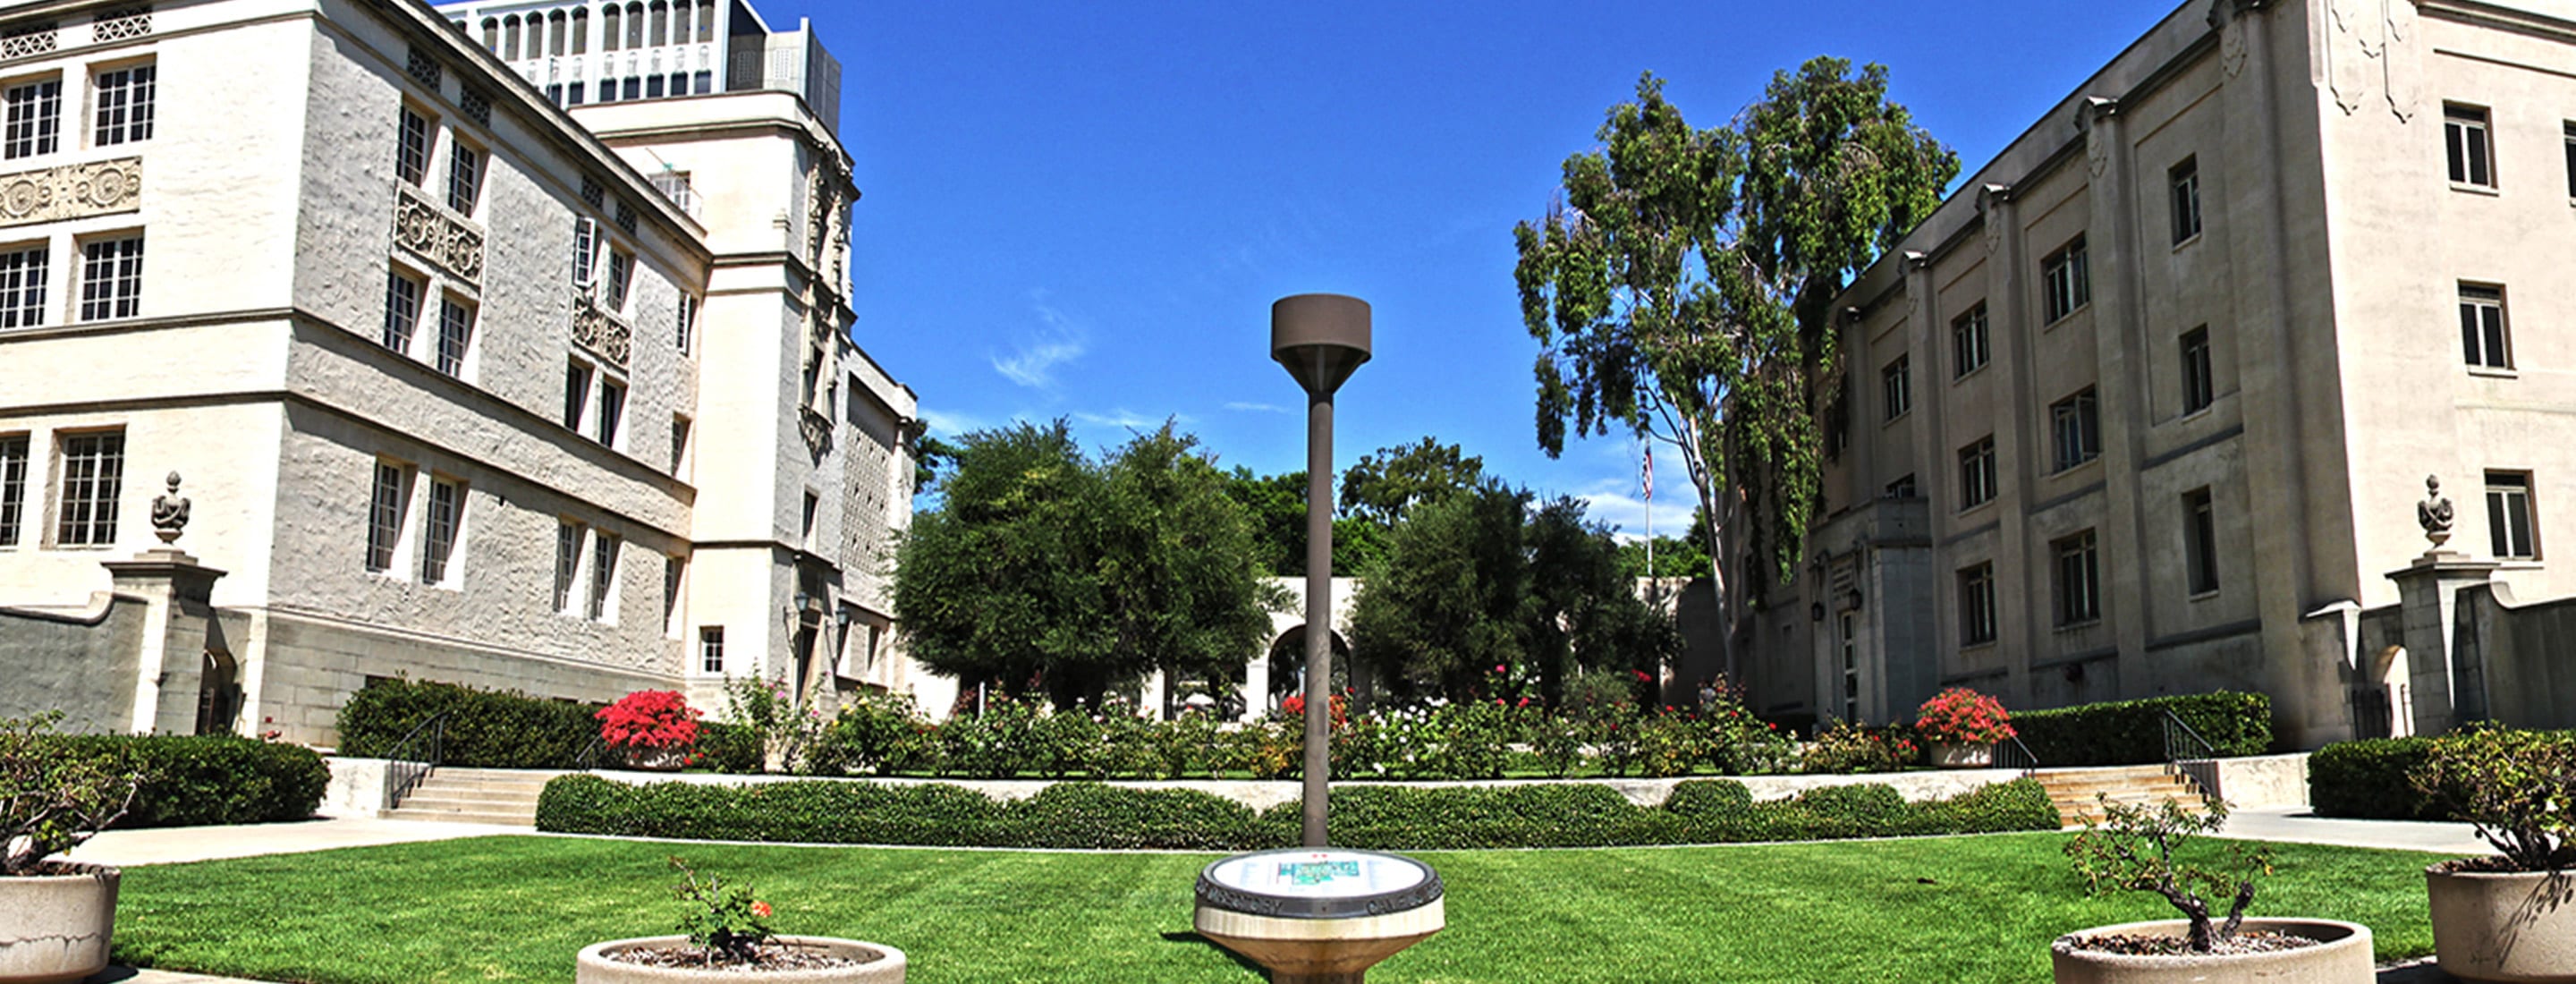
x=1321, y=339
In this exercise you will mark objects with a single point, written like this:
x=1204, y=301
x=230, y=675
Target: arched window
x=706, y=20
x=555, y=33
x=492, y=35
x=661, y=23
x=680, y=22
x=609, y=35
x=509, y=37
x=581, y=30
x=635, y=25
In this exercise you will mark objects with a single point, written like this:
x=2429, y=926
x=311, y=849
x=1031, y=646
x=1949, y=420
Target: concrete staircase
x=2075, y=790
x=496, y=796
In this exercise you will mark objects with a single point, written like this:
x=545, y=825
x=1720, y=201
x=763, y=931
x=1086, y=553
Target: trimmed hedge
x=193, y=780
x=1091, y=815
x=485, y=729
x=2368, y=780
x=2132, y=732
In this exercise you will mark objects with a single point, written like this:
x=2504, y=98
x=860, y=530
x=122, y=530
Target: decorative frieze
x=71, y=191
x=430, y=233
x=120, y=25
x=30, y=39
x=605, y=334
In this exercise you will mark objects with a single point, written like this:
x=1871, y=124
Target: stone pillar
x=177, y=592
x=1256, y=686
x=2429, y=590
x=1155, y=702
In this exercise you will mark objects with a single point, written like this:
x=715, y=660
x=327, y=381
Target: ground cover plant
x=1966, y=909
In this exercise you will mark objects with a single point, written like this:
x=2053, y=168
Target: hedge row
x=1095, y=816
x=196, y=781
x=2132, y=732
x=2368, y=780
x=485, y=729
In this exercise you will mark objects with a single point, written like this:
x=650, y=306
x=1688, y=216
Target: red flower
x=1498, y=668
x=1642, y=676
x=760, y=910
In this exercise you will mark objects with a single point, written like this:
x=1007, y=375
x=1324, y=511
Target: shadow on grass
x=1192, y=937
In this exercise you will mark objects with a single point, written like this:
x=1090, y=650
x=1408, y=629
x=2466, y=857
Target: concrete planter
x=54, y=928
x=2515, y=927
x=1948, y=755
x=884, y=965
x=643, y=759
x=2342, y=956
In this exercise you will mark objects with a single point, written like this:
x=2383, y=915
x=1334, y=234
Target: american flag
x=1650, y=473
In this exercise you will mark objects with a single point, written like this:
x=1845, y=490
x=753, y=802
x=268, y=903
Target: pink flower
x=760, y=910
x=1498, y=668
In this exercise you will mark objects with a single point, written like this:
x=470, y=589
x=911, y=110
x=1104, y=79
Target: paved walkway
x=2295, y=825
x=168, y=845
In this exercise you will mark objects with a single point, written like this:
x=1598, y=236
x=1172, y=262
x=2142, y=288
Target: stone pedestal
x=177, y=592
x=2444, y=691
x=1256, y=688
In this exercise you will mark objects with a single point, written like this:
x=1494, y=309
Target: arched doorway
x=1288, y=662
x=218, y=694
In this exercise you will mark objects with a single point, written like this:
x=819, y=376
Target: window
x=1977, y=472
x=2076, y=422
x=33, y=119
x=653, y=87
x=673, y=569
x=2079, y=582
x=585, y=250
x=93, y=477
x=2184, y=181
x=1977, y=605
x=1896, y=385
x=2571, y=159
x=2509, y=524
x=805, y=527
x=111, y=278
x=385, y=510
x=573, y=96
x=2198, y=391
x=679, y=444
x=22, y=286
x=567, y=562
x=2200, y=541
x=411, y=149
x=711, y=649
x=455, y=332
x=576, y=395
x=1968, y=336
x=2472, y=156
x=2482, y=327
x=632, y=89
x=603, y=577
x=688, y=321
x=438, y=541
x=13, y=488
x=612, y=406
x=124, y=101
x=1902, y=488
x=621, y=275
x=464, y=177
x=402, y=310
x=2065, y=279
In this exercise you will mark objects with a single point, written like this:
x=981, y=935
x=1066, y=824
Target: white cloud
x=1061, y=338
x=950, y=423
x=1125, y=420
x=1256, y=407
x=1627, y=513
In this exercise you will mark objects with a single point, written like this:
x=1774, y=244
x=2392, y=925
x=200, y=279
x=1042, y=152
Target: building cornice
x=2500, y=18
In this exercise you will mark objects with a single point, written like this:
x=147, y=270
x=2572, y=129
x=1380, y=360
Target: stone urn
x=2515, y=927
x=2342, y=956
x=1952, y=755
x=642, y=759
x=879, y=964
x=54, y=928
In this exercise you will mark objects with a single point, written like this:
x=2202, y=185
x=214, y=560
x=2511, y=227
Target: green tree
x=1276, y=508
x=1682, y=287
x=1177, y=564
x=1446, y=602
x=1583, y=611
x=1385, y=485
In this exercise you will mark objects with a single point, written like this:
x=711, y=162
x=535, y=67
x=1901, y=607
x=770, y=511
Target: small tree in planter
x=655, y=728
x=2140, y=848
x=727, y=940
x=51, y=802
x=2132, y=849
x=2510, y=916
x=1963, y=727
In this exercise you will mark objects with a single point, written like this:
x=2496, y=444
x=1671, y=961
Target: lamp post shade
x=1320, y=338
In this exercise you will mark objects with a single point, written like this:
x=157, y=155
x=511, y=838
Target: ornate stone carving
x=2400, y=61
x=1990, y=198
x=2434, y=512
x=30, y=39
x=2088, y=120
x=170, y=512
x=2227, y=17
x=2352, y=51
x=71, y=191
x=428, y=231
x=601, y=332
x=816, y=429
x=118, y=25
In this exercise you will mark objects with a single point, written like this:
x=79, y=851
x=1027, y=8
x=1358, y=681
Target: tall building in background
x=511, y=350
x=2148, y=406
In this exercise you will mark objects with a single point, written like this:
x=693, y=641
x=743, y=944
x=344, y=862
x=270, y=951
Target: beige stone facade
x=2147, y=406
x=465, y=385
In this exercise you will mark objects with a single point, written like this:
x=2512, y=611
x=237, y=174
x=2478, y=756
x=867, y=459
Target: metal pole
x=1319, y=613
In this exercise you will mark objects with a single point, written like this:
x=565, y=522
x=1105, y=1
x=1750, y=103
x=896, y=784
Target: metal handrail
x=2010, y=753
x=588, y=760
x=414, y=757
x=2191, y=755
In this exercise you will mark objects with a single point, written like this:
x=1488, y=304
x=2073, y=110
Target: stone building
x=2148, y=405
x=469, y=378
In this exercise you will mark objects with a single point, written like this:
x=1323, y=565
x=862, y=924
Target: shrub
x=2518, y=787
x=650, y=719
x=1851, y=748
x=485, y=729
x=193, y=781
x=1960, y=716
x=2131, y=732
x=51, y=801
x=1404, y=818
x=768, y=709
x=2134, y=848
x=727, y=748
x=2370, y=780
x=1708, y=797
x=1120, y=818
x=871, y=734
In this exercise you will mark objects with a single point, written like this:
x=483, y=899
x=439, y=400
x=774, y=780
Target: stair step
x=419, y=801
x=496, y=819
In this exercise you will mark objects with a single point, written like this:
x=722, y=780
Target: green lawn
x=1959, y=909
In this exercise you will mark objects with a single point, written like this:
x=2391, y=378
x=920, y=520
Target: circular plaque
x=1309, y=883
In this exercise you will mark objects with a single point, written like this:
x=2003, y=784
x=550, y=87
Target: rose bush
x=1961, y=716
x=649, y=719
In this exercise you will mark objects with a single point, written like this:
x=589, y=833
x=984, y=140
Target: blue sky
x=1085, y=210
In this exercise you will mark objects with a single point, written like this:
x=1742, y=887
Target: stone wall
x=78, y=660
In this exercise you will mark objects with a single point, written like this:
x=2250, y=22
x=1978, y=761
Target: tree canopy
x=1682, y=287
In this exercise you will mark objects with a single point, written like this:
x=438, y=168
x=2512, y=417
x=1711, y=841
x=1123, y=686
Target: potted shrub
x=2134, y=848
x=726, y=940
x=655, y=728
x=2510, y=916
x=1962, y=727
x=54, y=915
